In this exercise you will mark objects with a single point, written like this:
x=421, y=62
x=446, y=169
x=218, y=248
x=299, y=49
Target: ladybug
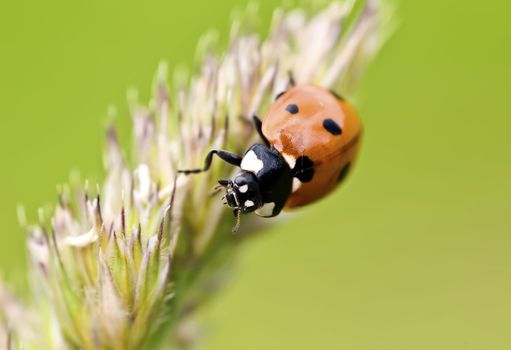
x=310, y=139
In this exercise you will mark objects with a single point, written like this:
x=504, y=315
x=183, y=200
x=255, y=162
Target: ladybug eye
x=292, y=108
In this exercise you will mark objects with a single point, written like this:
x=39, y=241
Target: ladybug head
x=242, y=193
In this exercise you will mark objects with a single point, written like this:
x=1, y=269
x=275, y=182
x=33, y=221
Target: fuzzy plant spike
x=123, y=265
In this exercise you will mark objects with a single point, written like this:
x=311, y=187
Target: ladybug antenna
x=215, y=190
x=221, y=185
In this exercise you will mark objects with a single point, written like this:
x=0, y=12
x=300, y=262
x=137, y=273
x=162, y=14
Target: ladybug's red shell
x=311, y=126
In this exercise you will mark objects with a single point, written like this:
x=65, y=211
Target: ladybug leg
x=237, y=214
x=258, y=124
x=279, y=94
x=291, y=82
x=227, y=157
x=339, y=97
x=304, y=169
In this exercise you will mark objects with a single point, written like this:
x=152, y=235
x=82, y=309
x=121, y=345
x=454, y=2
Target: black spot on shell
x=279, y=95
x=332, y=127
x=344, y=172
x=304, y=169
x=292, y=108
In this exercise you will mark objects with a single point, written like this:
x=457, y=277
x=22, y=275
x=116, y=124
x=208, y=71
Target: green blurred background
x=413, y=254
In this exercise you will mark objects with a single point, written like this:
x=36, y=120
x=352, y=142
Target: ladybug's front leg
x=228, y=157
x=258, y=125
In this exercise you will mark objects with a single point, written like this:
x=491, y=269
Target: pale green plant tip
x=122, y=265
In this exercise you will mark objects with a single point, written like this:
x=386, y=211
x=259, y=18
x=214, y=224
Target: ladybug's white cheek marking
x=290, y=160
x=243, y=189
x=250, y=162
x=266, y=209
x=249, y=203
x=296, y=184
